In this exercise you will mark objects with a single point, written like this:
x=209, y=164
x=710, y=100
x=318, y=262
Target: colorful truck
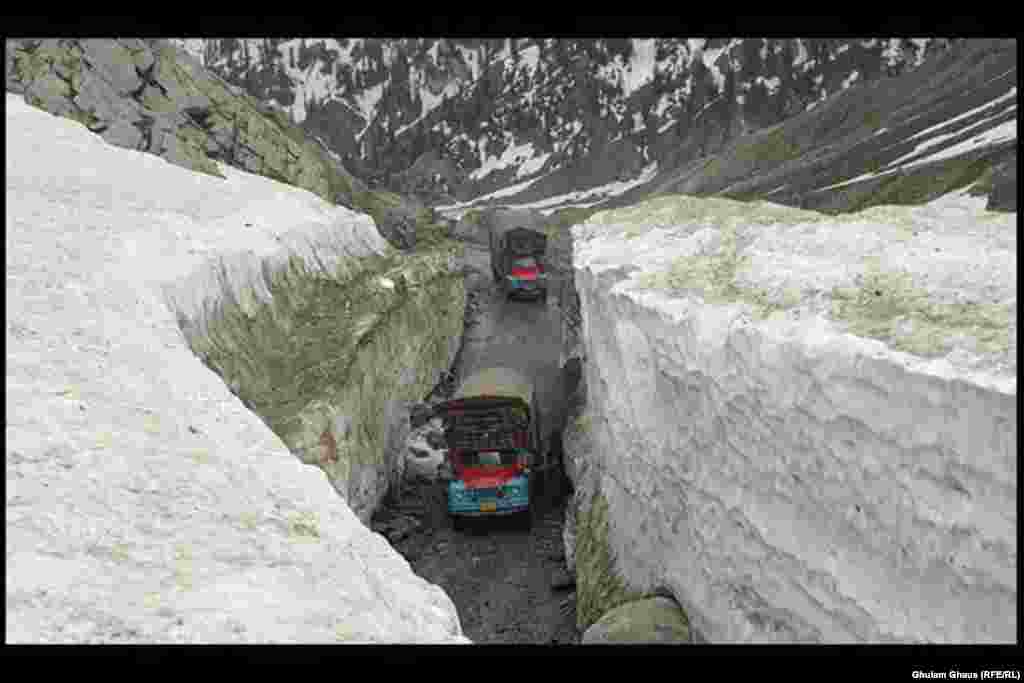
x=517, y=261
x=496, y=459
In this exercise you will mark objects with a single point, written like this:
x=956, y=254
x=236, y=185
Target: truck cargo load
x=518, y=261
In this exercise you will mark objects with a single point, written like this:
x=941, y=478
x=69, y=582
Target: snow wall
x=803, y=427
x=330, y=339
x=145, y=502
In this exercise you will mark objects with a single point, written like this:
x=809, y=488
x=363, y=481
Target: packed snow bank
x=144, y=502
x=804, y=426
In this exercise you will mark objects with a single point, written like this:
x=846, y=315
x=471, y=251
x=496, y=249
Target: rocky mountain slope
x=456, y=119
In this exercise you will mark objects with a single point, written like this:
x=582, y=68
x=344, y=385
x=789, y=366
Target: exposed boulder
x=783, y=403
x=655, y=620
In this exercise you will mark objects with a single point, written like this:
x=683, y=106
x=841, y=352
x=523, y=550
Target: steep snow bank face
x=805, y=426
x=144, y=502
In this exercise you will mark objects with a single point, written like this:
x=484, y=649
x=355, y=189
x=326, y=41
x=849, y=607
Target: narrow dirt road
x=509, y=585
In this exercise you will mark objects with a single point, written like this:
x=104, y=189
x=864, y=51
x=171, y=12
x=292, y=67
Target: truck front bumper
x=486, y=502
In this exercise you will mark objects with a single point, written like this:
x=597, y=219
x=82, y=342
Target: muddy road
x=509, y=584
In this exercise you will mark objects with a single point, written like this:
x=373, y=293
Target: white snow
x=580, y=198
x=456, y=210
x=591, y=196
x=664, y=102
x=922, y=44
x=825, y=488
x=524, y=156
x=532, y=164
x=529, y=57
x=193, y=46
x=771, y=84
x=1005, y=131
x=640, y=69
x=638, y=122
x=309, y=83
x=850, y=80
x=892, y=52
x=429, y=102
x=801, y=54
x=145, y=503
x=1011, y=95
x=366, y=100
x=696, y=46
x=710, y=57
x=997, y=134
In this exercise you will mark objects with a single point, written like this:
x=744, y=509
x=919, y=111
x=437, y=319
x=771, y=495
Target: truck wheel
x=537, y=489
x=439, y=504
x=526, y=519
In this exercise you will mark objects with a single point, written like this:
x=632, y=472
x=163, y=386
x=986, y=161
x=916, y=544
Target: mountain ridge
x=455, y=119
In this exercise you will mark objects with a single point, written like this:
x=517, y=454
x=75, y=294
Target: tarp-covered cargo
x=493, y=408
x=504, y=382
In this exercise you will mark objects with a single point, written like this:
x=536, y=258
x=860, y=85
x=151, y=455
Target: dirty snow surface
x=805, y=425
x=144, y=502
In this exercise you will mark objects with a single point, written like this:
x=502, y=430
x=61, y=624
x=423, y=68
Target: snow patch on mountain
x=641, y=65
x=513, y=155
x=1011, y=95
x=992, y=135
x=771, y=84
x=193, y=46
x=636, y=72
x=1003, y=132
x=579, y=198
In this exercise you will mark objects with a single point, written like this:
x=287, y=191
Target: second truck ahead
x=517, y=261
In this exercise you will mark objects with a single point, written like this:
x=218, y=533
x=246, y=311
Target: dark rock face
x=1001, y=185
x=398, y=226
x=150, y=96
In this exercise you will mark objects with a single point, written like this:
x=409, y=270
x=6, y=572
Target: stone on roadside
x=563, y=580
x=652, y=620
